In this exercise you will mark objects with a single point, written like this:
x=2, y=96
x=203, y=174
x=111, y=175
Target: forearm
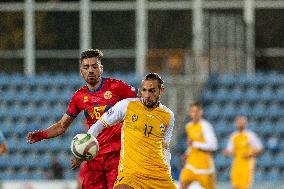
x=55, y=129
x=204, y=146
x=256, y=152
x=3, y=149
x=96, y=128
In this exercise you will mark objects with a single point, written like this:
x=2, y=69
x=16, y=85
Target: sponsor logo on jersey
x=108, y=95
x=86, y=98
x=109, y=111
x=134, y=118
x=162, y=127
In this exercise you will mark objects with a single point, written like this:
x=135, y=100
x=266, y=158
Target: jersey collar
x=98, y=88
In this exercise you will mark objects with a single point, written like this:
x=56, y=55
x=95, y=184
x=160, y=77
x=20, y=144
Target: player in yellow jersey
x=244, y=146
x=146, y=134
x=202, y=141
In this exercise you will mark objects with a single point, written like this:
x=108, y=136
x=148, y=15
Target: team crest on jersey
x=134, y=118
x=86, y=98
x=108, y=95
x=162, y=127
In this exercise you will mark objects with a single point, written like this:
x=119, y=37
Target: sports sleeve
x=255, y=141
x=2, y=138
x=230, y=146
x=126, y=91
x=167, y=140
x=73, y=109
x=210, y=143
x=111, y=117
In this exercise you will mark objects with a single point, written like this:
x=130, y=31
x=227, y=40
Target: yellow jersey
x=204, y=141
x=146, y=134
x=242, y=143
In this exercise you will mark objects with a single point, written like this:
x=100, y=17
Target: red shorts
x=101, y=172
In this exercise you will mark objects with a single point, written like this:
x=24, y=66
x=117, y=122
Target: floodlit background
x=229, y=54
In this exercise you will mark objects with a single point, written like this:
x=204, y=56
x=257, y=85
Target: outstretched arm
x=111, y=117
x=54, y=130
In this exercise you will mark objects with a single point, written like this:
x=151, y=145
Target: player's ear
x=101, y=69
x=162, y=89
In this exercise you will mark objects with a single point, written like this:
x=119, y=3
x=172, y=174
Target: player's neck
x=95, y=86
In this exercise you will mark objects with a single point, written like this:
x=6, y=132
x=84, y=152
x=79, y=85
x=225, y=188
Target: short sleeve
x=255, y=141
x=73, y=109
x=126, y=91
x=230, y=146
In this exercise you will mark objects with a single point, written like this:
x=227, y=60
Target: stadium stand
x=28, y=103
x=260, y=98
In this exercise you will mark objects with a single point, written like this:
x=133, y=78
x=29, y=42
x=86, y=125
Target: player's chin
x=92, y=81
x=150, y=104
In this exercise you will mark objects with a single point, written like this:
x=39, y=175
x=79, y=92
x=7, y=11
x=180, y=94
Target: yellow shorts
x=207, y=181
x=242, y=175
x=141, y=182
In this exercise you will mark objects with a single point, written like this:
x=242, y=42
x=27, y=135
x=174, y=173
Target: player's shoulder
x=250, y=133
x=126, y=101
x=166, y=109
x=83, y=89
x=234, y=134
x=206, y=123
x=110, y=80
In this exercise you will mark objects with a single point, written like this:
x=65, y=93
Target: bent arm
x=59, y=127
x=210, y=143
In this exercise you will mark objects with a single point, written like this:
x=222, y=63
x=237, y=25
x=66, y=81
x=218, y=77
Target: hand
x=226, y=153
x=75, y=163
x=183, y=157
x=189, y=142
x=36, y=136
x=248, y=156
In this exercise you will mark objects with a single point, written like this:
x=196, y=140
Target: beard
x=92, y=80
x=149, y=103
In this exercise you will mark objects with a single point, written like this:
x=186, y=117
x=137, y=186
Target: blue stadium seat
x=250, y=95
x=273, y=175
x=266, y=160
x=279, y=160
x=259, y=175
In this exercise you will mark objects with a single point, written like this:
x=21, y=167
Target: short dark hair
x=90, y=53
x=155, y=76
x=197, y=104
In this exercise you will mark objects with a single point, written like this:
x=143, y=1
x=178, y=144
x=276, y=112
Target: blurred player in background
x=244, y=146
x=199, y=164
x=95, y=98
x=3, y=145
x=146, y=134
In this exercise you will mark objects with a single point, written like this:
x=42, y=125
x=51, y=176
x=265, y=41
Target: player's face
x=150, y=93
x=241, y=123
x=195, y=113
x=91, y=70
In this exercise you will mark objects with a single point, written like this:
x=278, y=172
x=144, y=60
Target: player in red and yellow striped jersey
x=199, y=165
x=244, y=146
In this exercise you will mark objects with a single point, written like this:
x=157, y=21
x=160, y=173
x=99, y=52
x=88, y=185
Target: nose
x=147, y=94
x=91, y=69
